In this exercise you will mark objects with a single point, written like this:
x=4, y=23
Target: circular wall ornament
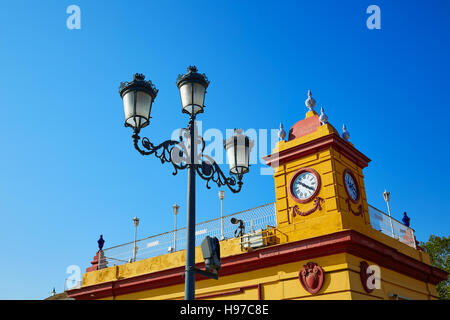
x=304, y=185
x=351, y=186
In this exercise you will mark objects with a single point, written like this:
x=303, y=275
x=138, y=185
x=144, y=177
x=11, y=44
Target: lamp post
x=175, y=208
x=136, y=224
x=386, y=196
x=221, y=197
x=138, y=96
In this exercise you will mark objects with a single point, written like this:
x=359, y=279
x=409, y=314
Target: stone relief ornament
x=311, y=277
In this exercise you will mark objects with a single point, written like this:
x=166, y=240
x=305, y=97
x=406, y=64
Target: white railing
x=256, y=218
x=391, y=227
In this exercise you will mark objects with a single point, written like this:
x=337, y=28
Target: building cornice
x=347, y=241
x=314, y=146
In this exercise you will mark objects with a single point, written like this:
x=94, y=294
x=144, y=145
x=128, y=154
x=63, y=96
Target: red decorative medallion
x=311, y=277
x=365, y=276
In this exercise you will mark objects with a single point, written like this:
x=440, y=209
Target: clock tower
x=319, y=181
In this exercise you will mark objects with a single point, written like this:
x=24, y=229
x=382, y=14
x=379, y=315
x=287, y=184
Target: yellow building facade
x=322, y=247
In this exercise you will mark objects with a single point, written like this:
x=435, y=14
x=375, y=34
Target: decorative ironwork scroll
x=178, y=154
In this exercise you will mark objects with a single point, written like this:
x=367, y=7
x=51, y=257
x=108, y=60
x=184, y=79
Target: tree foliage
x=438, y=248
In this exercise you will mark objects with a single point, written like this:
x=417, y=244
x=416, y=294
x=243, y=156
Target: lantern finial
x=191, y=69
x=139, y=77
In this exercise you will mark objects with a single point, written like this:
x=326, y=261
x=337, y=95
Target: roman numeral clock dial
x=351, y=186
x=305, y=185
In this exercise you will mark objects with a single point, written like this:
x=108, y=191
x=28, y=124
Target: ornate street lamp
x=238, y=149
x=387, y=196
x=175, y=208
x=136, y=224
x=138, y=96
x=192, y=86
x=221, y=197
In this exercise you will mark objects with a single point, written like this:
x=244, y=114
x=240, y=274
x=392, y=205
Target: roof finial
x=310, y=102
x=345, y=133
x=281, y=132
x=101, y=242
x=406, y=219
x=323, y=117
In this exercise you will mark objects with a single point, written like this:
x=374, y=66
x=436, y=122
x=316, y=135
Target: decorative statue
x=406, y=219
x=100, y=242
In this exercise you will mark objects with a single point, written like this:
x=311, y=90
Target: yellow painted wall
x=228, y=247
x=342, y=282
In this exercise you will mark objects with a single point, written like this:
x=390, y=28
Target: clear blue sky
x=69, y=170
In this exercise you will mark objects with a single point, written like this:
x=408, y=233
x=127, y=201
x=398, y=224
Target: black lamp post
x=138, y=96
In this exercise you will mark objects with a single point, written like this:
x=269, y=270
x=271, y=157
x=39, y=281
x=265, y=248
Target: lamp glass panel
x=230, y=156
x=143, y=105
x=192, y=97
x=242, y=160
x=137, y=118
x=186, y=95
x=199, y=95
x=128, y=105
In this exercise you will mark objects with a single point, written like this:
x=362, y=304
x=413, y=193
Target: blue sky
x=69, y=170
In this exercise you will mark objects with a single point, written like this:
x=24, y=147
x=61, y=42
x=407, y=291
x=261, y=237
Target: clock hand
x=306, y=186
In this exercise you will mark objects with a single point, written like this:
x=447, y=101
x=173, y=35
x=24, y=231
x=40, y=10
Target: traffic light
x=211, y=253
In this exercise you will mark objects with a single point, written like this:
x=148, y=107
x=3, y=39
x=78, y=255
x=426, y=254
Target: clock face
x=351, y=186
x=304, y=185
